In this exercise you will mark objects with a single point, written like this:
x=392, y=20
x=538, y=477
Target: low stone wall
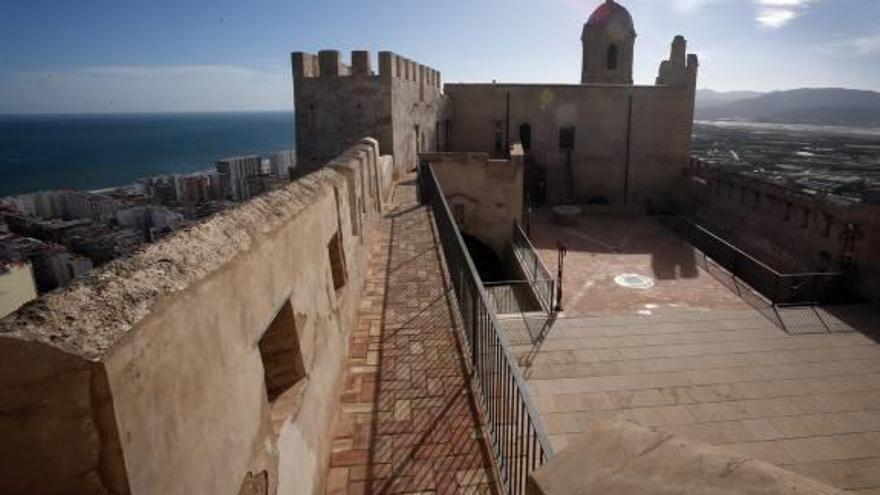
x=207, y=363
x=787, y=229
x=626, y=459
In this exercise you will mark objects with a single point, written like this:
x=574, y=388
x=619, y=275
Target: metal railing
x=515, y=431
x=516, y=296
x=783, y=289
x=543, y=284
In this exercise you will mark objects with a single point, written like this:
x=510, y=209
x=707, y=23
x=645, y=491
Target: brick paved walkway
x=407, y=423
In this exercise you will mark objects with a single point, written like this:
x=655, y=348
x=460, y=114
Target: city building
x=194, y=188
x=52, y=265
x=281, y=163
x=387, y=322
x=17, y=285
x=236, y=176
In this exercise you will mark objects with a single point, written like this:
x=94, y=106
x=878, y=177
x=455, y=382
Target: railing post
x=776, y=295
x=474, y=326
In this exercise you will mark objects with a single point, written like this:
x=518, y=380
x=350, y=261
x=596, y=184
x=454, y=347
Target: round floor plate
x=634, y=281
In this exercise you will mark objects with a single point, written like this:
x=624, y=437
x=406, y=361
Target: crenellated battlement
x=329, y=63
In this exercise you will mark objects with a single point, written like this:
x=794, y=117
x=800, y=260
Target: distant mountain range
x=821, y=106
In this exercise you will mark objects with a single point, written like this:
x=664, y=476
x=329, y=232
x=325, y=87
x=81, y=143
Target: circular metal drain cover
x=634, y=281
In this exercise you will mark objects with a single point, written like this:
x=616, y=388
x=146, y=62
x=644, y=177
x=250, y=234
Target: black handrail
x=543, y=284
x=516, y=433
x=783, y=289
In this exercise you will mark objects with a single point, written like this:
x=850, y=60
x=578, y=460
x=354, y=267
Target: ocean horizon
x=98, y=151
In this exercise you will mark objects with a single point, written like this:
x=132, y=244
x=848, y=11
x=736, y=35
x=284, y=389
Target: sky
x=95, y=56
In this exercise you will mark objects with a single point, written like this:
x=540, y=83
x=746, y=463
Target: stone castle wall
x=149, y=375
x=336, y=104
x=631, y=143
x=792, y=230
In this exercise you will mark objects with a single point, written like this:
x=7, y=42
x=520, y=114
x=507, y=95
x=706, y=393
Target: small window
x=829, y=224
x=499, y=137
x=458, y=213
x=437, y=136
x=337, y=261
x=280, y=352
x=566, y=138
x=611, y=61
x=525, y=136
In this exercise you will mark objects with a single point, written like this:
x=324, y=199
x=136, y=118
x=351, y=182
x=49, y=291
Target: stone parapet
x=328, y=64
x=203, y=363
x=626, y=459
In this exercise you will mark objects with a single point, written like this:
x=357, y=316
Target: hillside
x=826, y=106
x=709, y=98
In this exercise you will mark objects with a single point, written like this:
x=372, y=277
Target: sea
x=89, y=152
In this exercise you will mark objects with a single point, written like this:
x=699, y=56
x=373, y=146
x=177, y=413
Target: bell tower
x=608, y=39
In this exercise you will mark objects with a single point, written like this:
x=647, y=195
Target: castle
x=604, y=140
x=338, y=335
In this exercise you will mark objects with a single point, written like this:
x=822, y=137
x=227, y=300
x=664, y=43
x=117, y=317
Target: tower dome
x=609, y=13
x=608, y=40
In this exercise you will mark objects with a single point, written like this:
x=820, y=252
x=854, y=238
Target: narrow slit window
x=566, y=138
x=525, y=136
x=611, y=61
x=499, y=137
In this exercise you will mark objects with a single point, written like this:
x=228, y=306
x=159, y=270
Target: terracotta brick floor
x=407, y=422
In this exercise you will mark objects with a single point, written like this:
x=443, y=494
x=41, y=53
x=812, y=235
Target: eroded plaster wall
x=485, y=193
x=147, y=376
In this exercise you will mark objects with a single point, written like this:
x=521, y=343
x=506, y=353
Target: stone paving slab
x=407, y=422
x=687, y=356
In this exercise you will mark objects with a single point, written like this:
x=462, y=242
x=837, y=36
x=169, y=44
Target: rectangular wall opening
x=337, y=261
x=279, y=349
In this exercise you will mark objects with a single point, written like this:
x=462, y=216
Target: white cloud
x=775, y=14
x=690, y=6
x=860, y=45
x=866, y=45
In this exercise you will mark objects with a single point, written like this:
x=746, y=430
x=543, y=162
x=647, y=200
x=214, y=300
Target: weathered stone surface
x=625, y=459
x=145, y=376
x=484, y=192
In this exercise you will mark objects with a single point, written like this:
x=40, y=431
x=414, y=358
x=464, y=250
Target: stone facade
x=336, y=104
x=484, y=192
x=604, y=141
x=629, y=143
x=155, y=373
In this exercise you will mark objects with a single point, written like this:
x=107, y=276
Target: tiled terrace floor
x=407, y=423
x=689, y=357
